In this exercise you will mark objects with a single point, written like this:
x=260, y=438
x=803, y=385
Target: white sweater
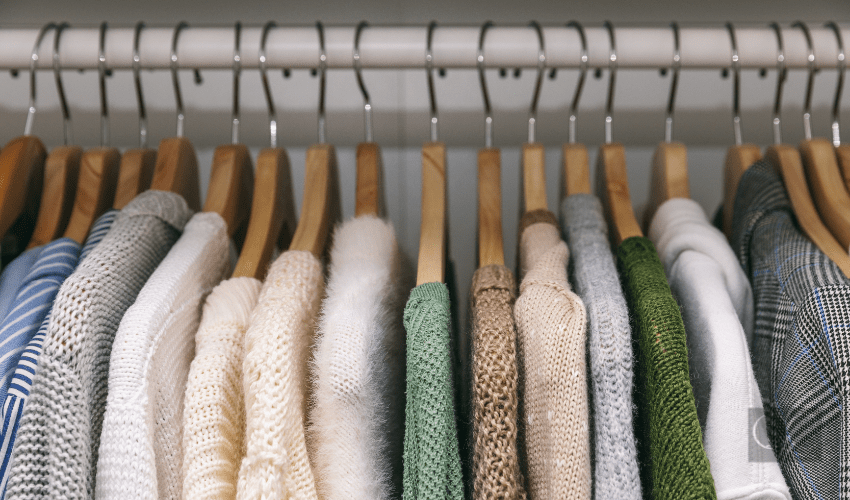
x=356, y=424
x=141, y=443
x=717, y=309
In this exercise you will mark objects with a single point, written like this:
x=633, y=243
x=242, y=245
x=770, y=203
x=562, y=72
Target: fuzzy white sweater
x=141, y=442
x=356, y=429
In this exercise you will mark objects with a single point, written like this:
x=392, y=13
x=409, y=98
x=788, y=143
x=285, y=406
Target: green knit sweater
x=673, y=462
x=431, y=457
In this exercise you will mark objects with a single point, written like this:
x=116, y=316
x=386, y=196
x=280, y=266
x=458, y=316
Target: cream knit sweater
x=141, y=443
x=551, y=329
x=214, y=408
x=356, y=433
x=276, y=381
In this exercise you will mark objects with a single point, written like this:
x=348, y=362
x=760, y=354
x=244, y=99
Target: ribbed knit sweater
x=673, y=462
x=276, y=381
x=214, y=409
x=615, y=467
x=431, y=455
x=551, y=327
x=356, y=421
x=141, y=453
x=495, y=456
x=59, y=435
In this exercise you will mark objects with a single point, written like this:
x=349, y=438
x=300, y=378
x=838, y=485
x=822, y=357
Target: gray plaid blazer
x=801, y=351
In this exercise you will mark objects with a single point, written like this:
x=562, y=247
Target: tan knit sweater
x=495, y=459
x=553, y=387
x=276, y=381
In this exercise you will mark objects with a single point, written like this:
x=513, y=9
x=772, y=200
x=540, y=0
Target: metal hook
x=33, y=60
x=323, y=65
x=101, y=76
x=781, y=74
x=488, y=111
x=367, y=107
x=842, y=64
x=137, y=78
x=736, y=87
x=581, y=77
x=175, y=80
x=429, y=67
x=237, y=71
x=266, y=88
x=67, y=133
x=612, y=68
x=674, y=84
x=807, y=106
x=541, y=70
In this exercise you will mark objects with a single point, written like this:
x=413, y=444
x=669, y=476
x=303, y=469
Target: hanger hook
x=541, y=70
x=237, y=71
x=266, y=88
x=781, y=74
x=674, y=84
x=101, y=75
x=488, y=111
x=582, y=74
x=323, y=66
x=736, y=86
x=175, y=79
x=612, y=68
x=137, y=78
x=67, y=133
x=810, y=58
x=842, y=64
x=367, y=107
x=33, y=60
x=429, y=67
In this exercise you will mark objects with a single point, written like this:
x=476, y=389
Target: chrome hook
x=266, y=88
x=101, y=76
x=842, y=64
x=137, y=78
x=367, y=107
x=67, y=133
x=736, y=87
x=781, y=74
x=429, y=67
x=807, y=106
x=582, y=74
x=175, y=79
x=488, y=111
x=612, y=68
x=33, y=60
x=237, y=70
x=323, y=66
x=674, y=84
x=541, y=70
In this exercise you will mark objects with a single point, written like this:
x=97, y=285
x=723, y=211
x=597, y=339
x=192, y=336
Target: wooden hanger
x=842, y=154
x=98, y=178
x=369, y=195
x=490, y=242
x=60, y=186
x=22, y=173
x=576, y=165
x=432, y=234
x=320, y=206
x=534, y=177
x=230, y=189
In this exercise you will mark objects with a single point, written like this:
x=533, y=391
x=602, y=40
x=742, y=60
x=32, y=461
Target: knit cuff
x=493, y=277
x=535, y=216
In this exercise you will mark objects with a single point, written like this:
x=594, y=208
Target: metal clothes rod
x=399, y=47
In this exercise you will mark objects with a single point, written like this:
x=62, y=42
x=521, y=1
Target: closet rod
x=404, y=47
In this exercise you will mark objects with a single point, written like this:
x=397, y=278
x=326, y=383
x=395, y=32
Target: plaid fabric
x=801, y=351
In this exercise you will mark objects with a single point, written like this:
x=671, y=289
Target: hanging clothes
x=551, y=323
x=13, y=275
x=59, y=433
x=356, y=420
x=615, y=466
x=802, y=338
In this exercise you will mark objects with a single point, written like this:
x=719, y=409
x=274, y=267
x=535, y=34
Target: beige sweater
x=550, y=319
x=214, y=408
x=276, y=381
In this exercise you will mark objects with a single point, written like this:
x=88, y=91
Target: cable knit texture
x=495, y=456
x=356, y=421
x=673, y=461
x=551, y=326
x=431, y=454
x=141, y=450
x=276, y=382
x=57, y=444
x=214, y=411
x=615, y=467
x=716, y=301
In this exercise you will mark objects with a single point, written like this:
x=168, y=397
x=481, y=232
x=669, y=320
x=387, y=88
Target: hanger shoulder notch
x=61, y=170
x=95, y=190
x=576, y=170
x=614, y=183
x=431, y=266
x=738, y=159
x=368, y=200
x=534, y=177
x=669, y=176
x=490, y=243
x=231, y=187
x=272, y=213
x=176, y=170
x=134, y=175
x=21, y=177
x=827, y=187
x=320, y=207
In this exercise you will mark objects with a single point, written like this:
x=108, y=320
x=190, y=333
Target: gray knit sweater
x=56, y=450
x=616, y=474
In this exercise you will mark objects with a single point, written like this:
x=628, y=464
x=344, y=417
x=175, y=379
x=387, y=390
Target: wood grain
x=576, y=170
x=369, y=198
x=431, y=266
x=613, y=183
x=95, y=190
x=176, y=170
x=738, y=159
x=320, y=207
x=61, y=170
x=490, y=242
x=21, y=178
x=231, y=188
x=272, y=213
x=534, y=177
x=669, y=177
x=842, y=153
x=134, y=175
x=827, y=187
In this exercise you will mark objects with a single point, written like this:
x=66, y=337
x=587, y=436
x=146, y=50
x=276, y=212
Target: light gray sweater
x=57, y=442
x=616, y=474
